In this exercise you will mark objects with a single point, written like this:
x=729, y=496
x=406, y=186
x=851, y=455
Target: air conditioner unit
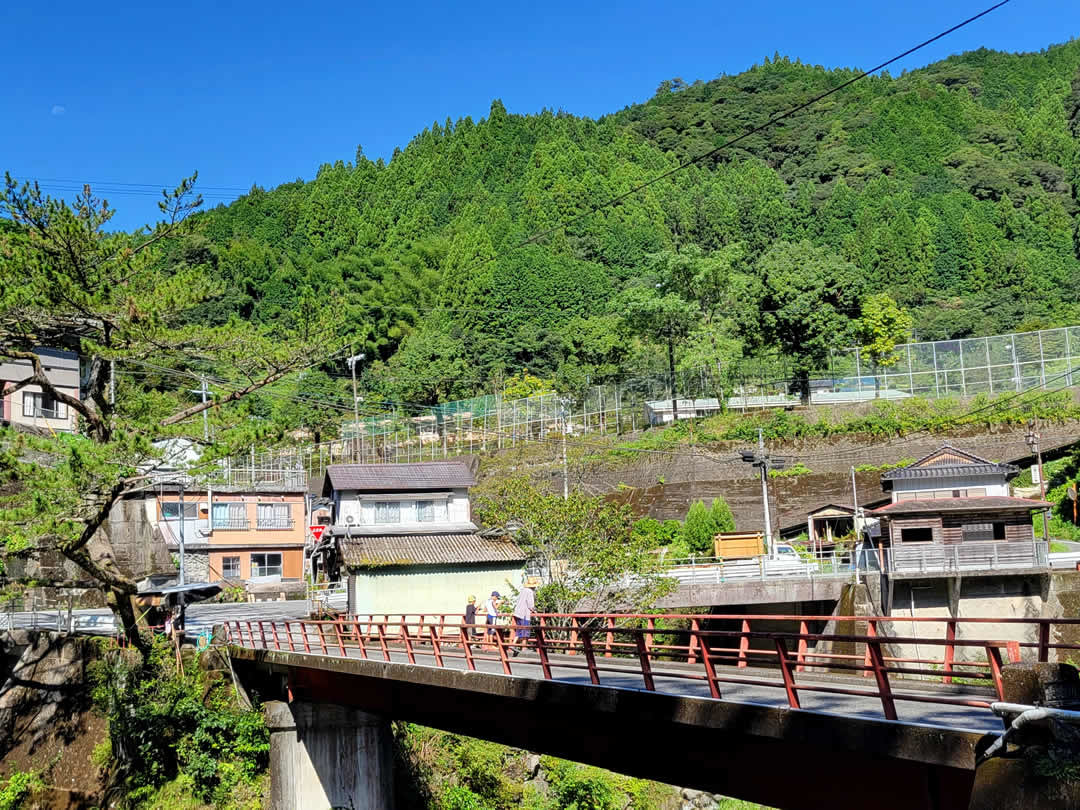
x=350, y=519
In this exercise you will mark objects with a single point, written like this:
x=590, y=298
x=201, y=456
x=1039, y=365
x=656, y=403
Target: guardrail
x=716, y=570
x=333, y=595
x=634, y=644
x=981, y=556
x=1069, y=560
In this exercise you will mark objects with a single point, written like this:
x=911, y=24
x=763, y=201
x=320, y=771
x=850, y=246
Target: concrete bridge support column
x=327, y=756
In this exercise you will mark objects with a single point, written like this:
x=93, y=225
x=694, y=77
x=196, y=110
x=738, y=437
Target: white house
x=403, y=535
x=31, y=406
x=949, y=472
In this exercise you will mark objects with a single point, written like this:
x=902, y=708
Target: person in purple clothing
x=523, y=611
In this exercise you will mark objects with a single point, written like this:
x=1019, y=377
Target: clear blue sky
x=265, y=92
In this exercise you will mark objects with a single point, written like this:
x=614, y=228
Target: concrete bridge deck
x=786, y=734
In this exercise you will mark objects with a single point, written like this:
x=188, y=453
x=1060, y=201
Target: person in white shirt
x=491, y=606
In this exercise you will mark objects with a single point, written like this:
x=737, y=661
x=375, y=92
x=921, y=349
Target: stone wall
x=717, y=471
x=138, y=550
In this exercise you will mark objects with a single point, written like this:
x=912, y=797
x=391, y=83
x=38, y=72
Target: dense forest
x=471, y=255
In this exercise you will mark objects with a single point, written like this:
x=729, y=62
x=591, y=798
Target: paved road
x=199, y=616
x=769, y=692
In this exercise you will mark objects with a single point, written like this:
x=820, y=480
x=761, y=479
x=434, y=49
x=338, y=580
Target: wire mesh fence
x=961, y=368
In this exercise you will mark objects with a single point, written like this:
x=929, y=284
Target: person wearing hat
x=470, y=617
x=491, y=607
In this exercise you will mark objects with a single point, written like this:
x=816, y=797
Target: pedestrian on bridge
x=491, y=606
x=523, y=611
x=470, y=618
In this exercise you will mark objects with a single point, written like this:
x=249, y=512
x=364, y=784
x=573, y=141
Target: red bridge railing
x=639, y=644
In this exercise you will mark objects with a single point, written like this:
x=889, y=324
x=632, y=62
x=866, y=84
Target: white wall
x=994, y=484
x=362, y=508
x=1001, y=597
x=442, y=589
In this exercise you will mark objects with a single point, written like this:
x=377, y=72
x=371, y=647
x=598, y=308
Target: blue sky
x=265, y=92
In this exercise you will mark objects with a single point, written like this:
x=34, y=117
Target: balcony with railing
x=231, y=524
x=274, y=523
x=958, y=557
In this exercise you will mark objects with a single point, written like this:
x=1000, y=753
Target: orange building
x=236, y=535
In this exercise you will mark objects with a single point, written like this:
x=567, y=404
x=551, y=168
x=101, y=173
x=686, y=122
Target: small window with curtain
x=229, y=516
x=230, y=567
x=387, y=511
x=425, y=511
x=43, y=406
x=273, y=516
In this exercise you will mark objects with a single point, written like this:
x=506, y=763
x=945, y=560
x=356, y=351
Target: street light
x=764, y=462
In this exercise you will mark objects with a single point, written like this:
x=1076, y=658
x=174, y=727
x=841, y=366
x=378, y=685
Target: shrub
x=162, y=723
x=17, y=789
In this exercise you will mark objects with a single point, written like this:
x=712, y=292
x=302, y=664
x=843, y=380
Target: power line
x=619, y=198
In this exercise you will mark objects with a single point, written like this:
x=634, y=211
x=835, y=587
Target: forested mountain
x=951, y=188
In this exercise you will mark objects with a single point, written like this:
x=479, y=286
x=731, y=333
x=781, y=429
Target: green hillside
x=951, y=188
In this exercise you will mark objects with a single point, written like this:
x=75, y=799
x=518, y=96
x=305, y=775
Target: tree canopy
x=123, y=302
x=951, y=189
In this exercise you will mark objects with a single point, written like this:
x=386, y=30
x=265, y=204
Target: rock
x=690, y=795
x=532, y=766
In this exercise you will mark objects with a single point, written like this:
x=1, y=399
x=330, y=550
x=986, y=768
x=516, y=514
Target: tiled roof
x=949, y=461
x=938, y=505
x=382, y=551
x=397, y=477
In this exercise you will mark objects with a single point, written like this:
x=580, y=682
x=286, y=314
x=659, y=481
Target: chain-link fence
x=963, y=368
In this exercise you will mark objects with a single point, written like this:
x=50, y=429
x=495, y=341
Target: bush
x=702, y=524
x=698, y=529
x=17, y=789
x=163, y=723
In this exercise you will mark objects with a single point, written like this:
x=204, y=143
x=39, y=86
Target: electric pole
x=182, y=579
x=1033, y=443
x=563, y=410
x=761, y=459
x=205, y=392
x=352, y=361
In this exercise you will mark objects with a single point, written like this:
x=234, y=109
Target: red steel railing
x=635, y=644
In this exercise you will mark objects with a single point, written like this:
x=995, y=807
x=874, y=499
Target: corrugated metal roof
x=937, y=505
x=427, y=549
x=397, y=477
x=949, y=461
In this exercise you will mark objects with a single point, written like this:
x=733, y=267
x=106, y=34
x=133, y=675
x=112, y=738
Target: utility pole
x=858, y=526
x=764, y=462
x=563, y=410
x=1033, y=443
x=112, y=382
x=205, y=392
x=182, y=578
x=352, y=361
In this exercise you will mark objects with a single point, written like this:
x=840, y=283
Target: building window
x=266, y=565
x=387, y=512
x=170, y=510
x=425, y=511
x=273, y=516
x=977, y=532
x=42, y=406
x=230, y=516
x=917, y=535
x=983, y=532
x=230, y=567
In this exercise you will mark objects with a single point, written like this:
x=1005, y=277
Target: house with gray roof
x=403, y=536
x=951, y=506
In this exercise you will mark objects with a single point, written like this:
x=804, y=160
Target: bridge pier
x=329, y=756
